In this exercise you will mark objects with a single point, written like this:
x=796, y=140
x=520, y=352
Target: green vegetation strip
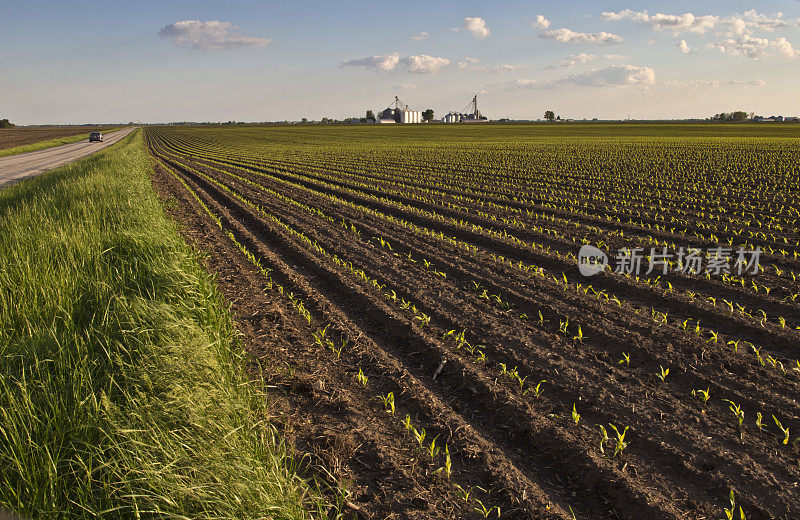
x=122, y=389
x=41, y=145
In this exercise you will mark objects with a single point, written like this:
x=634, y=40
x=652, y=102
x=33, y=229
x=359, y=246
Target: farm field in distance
x=14, y=137
x=413, y=298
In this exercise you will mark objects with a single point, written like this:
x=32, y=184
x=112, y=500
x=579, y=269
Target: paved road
x=15, y=168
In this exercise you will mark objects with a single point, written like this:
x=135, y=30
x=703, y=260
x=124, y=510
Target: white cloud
x=502, y=69
x=424, y=64
x=754, y=21
x=712, y=84
x=420, y=36
x=466, y=62
x=570, y=36
x=387, y=62
x=212, y=35
x=676, y=23
x=472, y=64
x=612, y=76
x=756, y=48
x=684, y=47
x=477, y=27
x=383, y=62
x=738, y=24
x=541, y=22
x=571, y=60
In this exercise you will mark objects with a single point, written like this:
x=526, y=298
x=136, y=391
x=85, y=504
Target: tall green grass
x=122, y=393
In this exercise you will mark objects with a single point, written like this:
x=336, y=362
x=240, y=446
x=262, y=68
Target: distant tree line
x=732, y=116
x=5, y=123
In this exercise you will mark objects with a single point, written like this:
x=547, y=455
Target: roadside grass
x=41, y=145
x=122, y=390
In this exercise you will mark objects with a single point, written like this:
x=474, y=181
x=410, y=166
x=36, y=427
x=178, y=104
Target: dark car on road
x=95, y=136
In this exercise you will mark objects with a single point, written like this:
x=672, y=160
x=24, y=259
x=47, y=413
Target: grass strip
x=122, y=389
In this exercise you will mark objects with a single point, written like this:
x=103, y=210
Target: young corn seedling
x=620, y=445
x=537, y=390
x=483, y=510
x=362, y=378
x=785, y=431
x=463, y=493
x=407, y=423
x=729, y=512
x=388, y=402
x=702, y=395
x=757, y=352
x=737, y=411
x=419, y=435
x=759, y=419
x=579, y=337
x=433, y=450
x=562, y=326
x=626, y=359
x=448, y=464
x=603, y=438
x=663, y=374
x=576, y=417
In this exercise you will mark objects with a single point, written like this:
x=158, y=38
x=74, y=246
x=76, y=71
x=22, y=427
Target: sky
x=201, y=60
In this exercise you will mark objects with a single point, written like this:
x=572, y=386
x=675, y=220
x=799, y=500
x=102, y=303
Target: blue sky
x=68, y=62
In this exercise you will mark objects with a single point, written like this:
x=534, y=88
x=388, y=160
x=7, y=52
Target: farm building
x=401, y=113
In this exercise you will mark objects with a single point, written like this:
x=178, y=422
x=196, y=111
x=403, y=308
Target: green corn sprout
x=563, y=326
x=603, y=438
x=362, y=378
x=482, y=509
x=419, y=435
x=407, y=422
x=448, y=464
x=758, y=421
x=737, y=411
x=620, y=440
x=663, y=374
x=576, y=417
x=729, y=512
x=782, y=429
x=463, y=493
x=757, y=352
x=433, y=450
x=388, y=401
x=702, y=395
x=626, y=359
x=579, y=337
x=537, y=390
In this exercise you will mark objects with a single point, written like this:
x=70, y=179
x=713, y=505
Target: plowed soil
x=387, y=282
x=13, y=137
